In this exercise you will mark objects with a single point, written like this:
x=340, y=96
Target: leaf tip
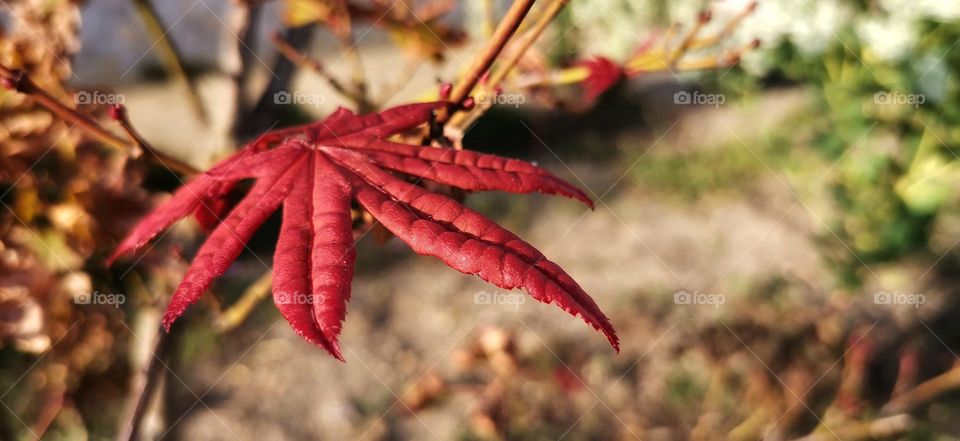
x=112, y=258
x=119, y=252
x=613, y=339
x=335, y=352
x=603, y=325
x=171, y=316
x=582, y=197
x=331, y=346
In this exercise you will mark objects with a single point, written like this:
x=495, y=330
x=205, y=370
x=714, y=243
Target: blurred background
x=775, y=237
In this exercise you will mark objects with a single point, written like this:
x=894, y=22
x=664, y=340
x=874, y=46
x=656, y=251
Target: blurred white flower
x=940, y=10
x=888, y=38
x=810, y=26
x=612, y=28
x=889, y=33
x=682, y=11
x=816, y=25
x=770, y=23
x=911, y=10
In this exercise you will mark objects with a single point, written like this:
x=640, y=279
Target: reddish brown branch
x=19, y=80
x=145, y=383
x=528, y=40
x=924, y=392
x=305, y=62
x=170, y=55
x=119, y=114
x=507, y=27
x=52, y=405
x=504, y=68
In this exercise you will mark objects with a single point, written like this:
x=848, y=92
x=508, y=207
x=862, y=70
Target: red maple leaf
x=315, y=171
x=603, y=74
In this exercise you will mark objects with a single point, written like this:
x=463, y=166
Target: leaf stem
x=358, y=76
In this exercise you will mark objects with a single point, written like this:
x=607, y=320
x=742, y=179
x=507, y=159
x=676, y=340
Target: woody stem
x=507, y=27
x=19, y=80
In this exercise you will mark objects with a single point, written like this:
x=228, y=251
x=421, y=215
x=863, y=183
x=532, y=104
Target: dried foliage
x=55, y=189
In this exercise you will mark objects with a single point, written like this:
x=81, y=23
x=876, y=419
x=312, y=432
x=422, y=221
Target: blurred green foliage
x=890, y=133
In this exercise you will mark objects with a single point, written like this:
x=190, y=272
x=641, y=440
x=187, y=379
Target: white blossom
x=888, y=32
x=887, y=38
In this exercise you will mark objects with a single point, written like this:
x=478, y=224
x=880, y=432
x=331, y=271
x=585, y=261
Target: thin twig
x=119, y=114
x=661, y=59
x=305, y=62
x=144, y=386
x=526, y=43
x=463, y=120
x=358, y=78
x=170, y=55
x=238, y=312
x=507, y=27
x=262, y=116
x=689, y=39
x=52, y=404
x=19, y=80
x=668, y=36
x=886, y=427
x=401, y=81
x=924, y=392
x=243, y=20
x=727, y=29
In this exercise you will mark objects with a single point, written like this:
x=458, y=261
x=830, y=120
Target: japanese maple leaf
x=315, y=171
x=603, y=74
